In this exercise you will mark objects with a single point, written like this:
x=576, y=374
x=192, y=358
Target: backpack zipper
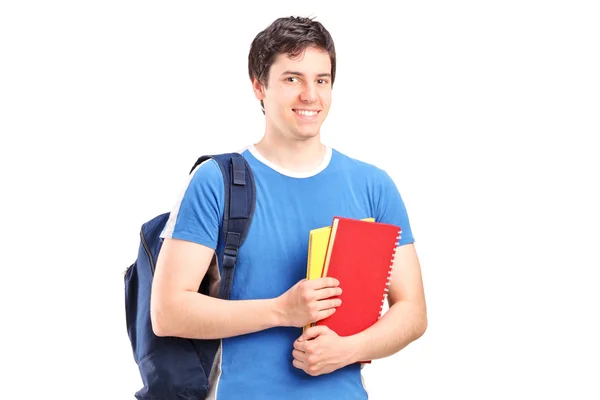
x=147, y=252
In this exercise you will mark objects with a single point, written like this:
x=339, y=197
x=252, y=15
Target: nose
x=309, y=94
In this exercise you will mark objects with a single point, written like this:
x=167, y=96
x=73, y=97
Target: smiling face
x=297, y=96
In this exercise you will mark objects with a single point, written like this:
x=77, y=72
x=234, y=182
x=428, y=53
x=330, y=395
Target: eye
x=292, y=79
x=323, y=81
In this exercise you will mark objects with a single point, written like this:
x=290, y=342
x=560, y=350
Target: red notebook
x=360, y=255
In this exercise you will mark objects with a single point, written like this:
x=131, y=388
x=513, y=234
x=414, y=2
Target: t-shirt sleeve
x=390, y=209
x=197, y=214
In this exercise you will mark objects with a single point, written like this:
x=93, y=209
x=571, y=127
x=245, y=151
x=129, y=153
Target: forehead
x=310, y=61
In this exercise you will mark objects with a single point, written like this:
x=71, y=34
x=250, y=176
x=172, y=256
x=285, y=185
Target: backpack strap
x=240, y=200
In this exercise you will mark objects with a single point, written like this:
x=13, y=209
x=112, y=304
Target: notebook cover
x=361, y=258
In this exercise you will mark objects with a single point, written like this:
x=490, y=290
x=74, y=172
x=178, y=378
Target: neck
x=292, y=155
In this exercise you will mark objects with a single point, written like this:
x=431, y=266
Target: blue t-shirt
x=273, y=259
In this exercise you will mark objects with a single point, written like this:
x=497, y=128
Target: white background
x=484, y=113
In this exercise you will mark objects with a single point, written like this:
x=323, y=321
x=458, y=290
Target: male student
x=301, y=184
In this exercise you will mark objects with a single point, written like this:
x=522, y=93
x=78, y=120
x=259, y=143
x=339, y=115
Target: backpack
x=178, y=368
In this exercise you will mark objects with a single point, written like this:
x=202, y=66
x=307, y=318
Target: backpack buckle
x=229, y=257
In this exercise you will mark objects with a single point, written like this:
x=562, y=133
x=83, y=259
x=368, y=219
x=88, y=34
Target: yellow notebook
x=318, y=240
x=317, y=247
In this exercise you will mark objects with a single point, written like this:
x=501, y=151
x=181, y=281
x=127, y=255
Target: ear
x=258, y=88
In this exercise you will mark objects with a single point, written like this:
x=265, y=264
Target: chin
x=307, y=135
x=308, y=132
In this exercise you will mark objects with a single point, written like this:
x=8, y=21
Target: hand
x=309, y=301
x=321, y=351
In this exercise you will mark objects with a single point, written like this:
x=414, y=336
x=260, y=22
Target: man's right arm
x=177, y=309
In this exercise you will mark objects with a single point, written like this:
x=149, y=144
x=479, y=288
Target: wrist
x=278, y=312
x=354, y=344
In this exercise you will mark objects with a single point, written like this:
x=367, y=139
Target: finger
x=329, y=304
x=326, y=282
x=298, y=364
x=299, y=355
x=326, y=293
x=330, y=282
x=324, y=314
x=300, y=344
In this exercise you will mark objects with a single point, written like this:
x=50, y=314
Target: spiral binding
x=387, y=283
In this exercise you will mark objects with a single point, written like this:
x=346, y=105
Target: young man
x=301, y=184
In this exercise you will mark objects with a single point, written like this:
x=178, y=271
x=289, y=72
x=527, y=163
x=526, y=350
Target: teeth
x=307, y=113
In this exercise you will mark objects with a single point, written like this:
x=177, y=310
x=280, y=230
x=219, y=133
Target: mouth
x=309, y=114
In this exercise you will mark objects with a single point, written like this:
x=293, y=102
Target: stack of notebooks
x=360, y=255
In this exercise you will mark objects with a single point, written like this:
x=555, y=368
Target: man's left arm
x=404, y=322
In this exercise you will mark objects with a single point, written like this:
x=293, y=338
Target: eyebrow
x=322, y=75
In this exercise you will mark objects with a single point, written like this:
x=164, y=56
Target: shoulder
x=206, y=175
x=204, y=186
x=206, y=169
x=197, y=213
